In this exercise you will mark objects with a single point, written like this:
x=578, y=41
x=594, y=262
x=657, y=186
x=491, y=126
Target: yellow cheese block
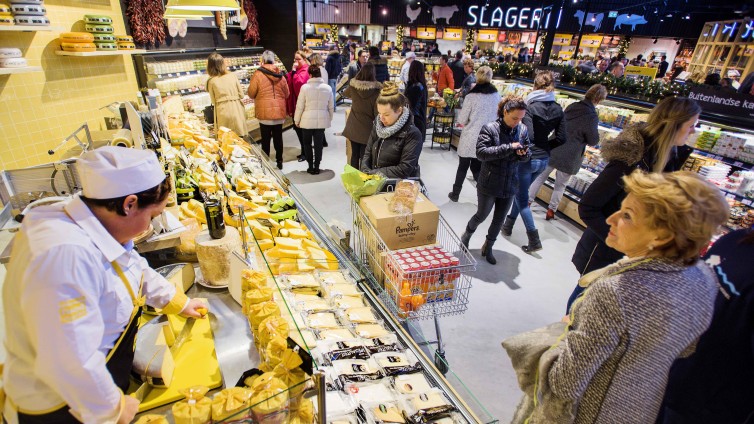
x=289, y=223
x=265, y=244
x=288, y=243
x=76, y=37
x=270, y=195
x=298, y=233
x=78, y=47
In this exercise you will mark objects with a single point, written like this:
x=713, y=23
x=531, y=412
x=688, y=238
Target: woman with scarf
x=395, y=143
x=544, y=120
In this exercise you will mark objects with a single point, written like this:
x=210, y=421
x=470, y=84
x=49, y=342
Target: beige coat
x=226, y=94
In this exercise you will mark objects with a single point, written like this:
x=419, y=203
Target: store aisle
x=520, y=293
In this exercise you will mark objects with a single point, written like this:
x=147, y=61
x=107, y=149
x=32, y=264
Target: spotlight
x=687, y=17
x=662, y=20
x=337, y=10
x=384, y=11
x=593, y=19
x=669, y=15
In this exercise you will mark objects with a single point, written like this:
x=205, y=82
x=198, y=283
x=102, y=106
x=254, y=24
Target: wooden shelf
x=24, y=70
x=111, y=53
x=29, y=28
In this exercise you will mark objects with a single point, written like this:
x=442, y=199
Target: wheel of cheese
x=32, y=20
x=98, y=19
x=106, y=46
x=99, y=29
x=16, y=62
x=6, y=15
x=4, y=8
x=76, y=37
x=27, y=2
x=102, y=38
x=6, y=21
x=9, y=52
x=28, y=9
x=124, y=39
x=126, y=46
x=78, y=47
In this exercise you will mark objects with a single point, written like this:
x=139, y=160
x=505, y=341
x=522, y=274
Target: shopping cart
x=417, y=283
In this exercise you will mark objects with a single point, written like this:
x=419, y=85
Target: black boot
x=508, y=226
x=453, y=196
x=487, y=251
x=466, y=237
x=534, y=242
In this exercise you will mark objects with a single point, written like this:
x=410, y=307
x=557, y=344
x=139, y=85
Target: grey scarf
x=385, y=132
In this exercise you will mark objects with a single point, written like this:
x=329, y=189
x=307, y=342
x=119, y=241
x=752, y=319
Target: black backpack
x=545, y=130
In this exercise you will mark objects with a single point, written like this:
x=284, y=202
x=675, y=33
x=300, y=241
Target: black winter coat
x=333, y=66
x=548, y=110
x=623, y=154
x=417, y=99
x=498, y=176
x=380, y=69
x=396, y=156
x=581, y=126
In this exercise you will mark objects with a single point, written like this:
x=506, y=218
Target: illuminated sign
x=562, y=40
x=640, y=71
x=488, y=35
x=511, y=18
x=426, y=33
x=748, y=30
x=452, y=34
x=591, y=40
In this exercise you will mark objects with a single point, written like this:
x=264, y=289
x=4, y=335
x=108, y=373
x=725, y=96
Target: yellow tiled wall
x=39, y=109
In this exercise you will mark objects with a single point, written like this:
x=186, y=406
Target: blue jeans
x=333, y=84
x=527, y=173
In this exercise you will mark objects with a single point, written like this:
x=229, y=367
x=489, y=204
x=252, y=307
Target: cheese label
x=72, y=309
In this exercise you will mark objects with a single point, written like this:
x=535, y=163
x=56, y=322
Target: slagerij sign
x=510, y=18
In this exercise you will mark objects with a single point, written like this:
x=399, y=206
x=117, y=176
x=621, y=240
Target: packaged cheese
x=255, y=296
x=195, y=409
x=257, y=313
x=231, y=402
x=272, y=326
x=270, y=399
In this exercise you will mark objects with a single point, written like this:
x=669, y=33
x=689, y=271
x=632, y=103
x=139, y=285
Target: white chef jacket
x=65, y=307
x=404, y=74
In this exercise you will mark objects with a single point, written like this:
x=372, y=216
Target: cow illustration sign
x=592, y=19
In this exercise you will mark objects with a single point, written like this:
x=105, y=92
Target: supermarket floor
x=521, y=292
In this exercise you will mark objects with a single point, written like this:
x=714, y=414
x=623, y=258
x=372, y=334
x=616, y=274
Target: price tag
x=747, y=202
x=718, y=157
x=170, y=75
x=730, y=196
x=738, y=164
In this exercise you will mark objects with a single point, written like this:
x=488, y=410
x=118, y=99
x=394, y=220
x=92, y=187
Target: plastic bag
x=359, y=184
x=404, y=198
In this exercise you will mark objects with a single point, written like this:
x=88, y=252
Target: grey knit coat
x=581, y=129
x=478, y=109
x=626, y=332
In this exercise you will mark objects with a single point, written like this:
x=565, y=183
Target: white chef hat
x=410, y=55
x=111, y=171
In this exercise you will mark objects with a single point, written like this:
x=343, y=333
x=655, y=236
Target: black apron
x=119, y=361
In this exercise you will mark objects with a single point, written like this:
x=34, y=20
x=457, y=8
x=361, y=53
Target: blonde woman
x=479, y=108
x=654, y=146
x=226, y=93
x=640, y=314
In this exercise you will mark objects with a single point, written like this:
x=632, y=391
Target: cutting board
x=195, y=365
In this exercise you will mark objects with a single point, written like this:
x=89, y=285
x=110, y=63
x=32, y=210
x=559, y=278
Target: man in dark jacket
x=355, y=66
x=380, y=64
x=457, y=67
x=333, y=68
x=663, y=68
x=581, y=130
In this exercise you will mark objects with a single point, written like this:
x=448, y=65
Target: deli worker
x=73, y=291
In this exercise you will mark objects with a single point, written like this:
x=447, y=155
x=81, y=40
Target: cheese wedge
x=288, y=243
x=152, y=358
x=298, y=233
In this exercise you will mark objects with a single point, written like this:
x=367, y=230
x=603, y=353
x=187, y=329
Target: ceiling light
x=384, y=11
x=669, y=15
x=189, y=15
x=337, y=10
x=687, y=17
x=662, y=20
x=212, y=5
x=593, y=19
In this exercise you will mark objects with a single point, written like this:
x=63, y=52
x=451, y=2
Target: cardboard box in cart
x=400, y=232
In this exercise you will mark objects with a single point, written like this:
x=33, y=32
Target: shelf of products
x=302, y=282
x=29, y=28
x=25, y=69
x=723, y=154
x=104, y=53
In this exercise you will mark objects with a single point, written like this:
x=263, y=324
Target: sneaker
x=301, y=158
x=550, y=214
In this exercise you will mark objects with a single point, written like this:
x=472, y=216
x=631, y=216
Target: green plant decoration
x=399, y=36
x=470, y=37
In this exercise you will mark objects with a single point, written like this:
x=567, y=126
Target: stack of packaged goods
x=10, y=57
x=593, y=160
x=741, y=182
x=6, y=15
x=581, y=181
x=741, y=216
x=77, y=42
x=615, y=117
x=715, y=173
x=29, y=12
x=695, y=162
x=125, y=42
x=705, y=138
x=100, y=25
x=736, y=146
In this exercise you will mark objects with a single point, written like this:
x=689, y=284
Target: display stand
x=442, y=128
